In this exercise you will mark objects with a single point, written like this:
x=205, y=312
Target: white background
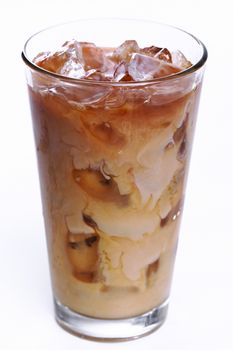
x=201, y=310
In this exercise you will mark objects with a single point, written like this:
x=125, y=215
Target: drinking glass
x=113, y=161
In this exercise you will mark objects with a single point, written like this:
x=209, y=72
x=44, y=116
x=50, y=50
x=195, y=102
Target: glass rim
x=200, y=63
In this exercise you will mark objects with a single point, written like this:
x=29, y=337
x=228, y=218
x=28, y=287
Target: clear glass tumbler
x=113, y=160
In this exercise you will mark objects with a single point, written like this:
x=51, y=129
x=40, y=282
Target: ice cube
x=165, y=55
x=70, y=44
x=158, y=52
x=151, y=50
x=71, y=66
x=51, y=62
x=143, y=67
x=41, y=57
x=179, y=60
x=62, y=61
x=121, y=72
x=90, y=56
x=125, y=50
x=93, y=74
x=73, y=69
x=97, y=64
x=96, y=75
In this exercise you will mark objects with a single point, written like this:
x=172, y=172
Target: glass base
x=112, y=330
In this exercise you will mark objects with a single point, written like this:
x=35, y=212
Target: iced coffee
x=113, y=129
